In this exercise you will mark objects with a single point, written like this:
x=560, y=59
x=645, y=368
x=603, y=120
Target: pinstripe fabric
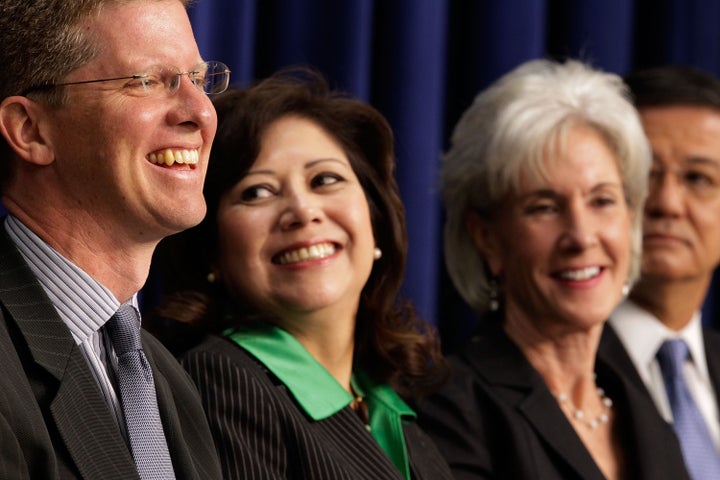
x=261, y=433
x=54, y=421
x=83, y=304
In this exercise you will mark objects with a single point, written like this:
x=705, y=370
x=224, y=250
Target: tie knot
x=672, y=355
x=124, y=330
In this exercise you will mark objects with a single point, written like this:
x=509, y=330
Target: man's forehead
x=137, y=34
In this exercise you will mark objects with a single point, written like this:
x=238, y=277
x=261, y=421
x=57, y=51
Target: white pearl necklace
x=579, y=415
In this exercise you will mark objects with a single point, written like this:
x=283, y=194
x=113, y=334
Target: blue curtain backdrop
x=421, y=62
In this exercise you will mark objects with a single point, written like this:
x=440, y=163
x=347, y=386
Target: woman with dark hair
x=297, y=266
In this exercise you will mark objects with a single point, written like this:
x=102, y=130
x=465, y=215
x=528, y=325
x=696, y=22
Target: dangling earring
x=377, y=253
x=211, y=277
x=494, y=294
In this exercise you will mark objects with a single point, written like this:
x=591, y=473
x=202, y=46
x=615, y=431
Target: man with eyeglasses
x=656, y=336
x=106, y=130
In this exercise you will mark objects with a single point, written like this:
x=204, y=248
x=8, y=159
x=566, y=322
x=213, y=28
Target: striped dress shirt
x=84, y=305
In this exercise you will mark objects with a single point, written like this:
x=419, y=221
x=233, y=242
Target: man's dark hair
x=669, y=85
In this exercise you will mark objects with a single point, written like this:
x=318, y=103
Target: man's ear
x=486, y=240
x=21, y=126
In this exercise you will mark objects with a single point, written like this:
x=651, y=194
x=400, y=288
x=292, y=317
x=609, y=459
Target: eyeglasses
x=162, y=81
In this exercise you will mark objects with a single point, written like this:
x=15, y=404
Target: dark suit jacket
x=613, y=351
x=262, y=433
x=498, y=419
x=54, y=422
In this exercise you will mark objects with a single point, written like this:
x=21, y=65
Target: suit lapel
x=181, y=456
x=81, y=416
x=542, y=411
x=711, y=339
x=516, y=382
x=612, y=351
x=650, y=440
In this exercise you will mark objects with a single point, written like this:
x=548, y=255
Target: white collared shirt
x=642, y=334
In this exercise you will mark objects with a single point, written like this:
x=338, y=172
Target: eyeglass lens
x=209, y=77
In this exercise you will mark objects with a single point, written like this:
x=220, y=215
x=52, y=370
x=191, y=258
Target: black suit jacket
x=613, y=351
x=54, y=422
x=262, y=433
x=498, y=419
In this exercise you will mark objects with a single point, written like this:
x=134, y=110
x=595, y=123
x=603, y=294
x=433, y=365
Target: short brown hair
x=42, y=42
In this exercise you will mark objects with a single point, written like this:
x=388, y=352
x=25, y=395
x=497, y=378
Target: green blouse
x=321, y=396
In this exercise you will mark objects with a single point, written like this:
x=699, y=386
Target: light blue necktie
x=137, y=395
x=698, y=449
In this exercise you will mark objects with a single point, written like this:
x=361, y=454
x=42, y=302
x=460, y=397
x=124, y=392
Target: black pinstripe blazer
x=497, y=419
x=54, y=422
x=261, y=433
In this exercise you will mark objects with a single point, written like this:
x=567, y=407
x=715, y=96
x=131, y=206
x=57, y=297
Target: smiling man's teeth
x=169, y=157
x=582, y=274
x=314, y=252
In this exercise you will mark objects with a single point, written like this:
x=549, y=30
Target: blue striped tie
x=697, y=446
x=137, y=395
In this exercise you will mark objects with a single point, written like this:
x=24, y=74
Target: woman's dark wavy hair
x=392, y=343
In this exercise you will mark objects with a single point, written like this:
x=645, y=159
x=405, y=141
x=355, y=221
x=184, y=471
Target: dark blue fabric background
x=422, y=61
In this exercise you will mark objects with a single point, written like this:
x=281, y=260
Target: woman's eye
x=325, y=179
x=604, y=201
x=540, y=208
x=256, y=192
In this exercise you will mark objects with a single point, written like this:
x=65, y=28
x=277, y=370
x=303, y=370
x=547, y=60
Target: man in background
x=656, y=335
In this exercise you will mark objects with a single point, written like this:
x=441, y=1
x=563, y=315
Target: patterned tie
x=137, y=395
x=701, y=458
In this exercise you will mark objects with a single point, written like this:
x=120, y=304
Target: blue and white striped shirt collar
x=82, y=302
